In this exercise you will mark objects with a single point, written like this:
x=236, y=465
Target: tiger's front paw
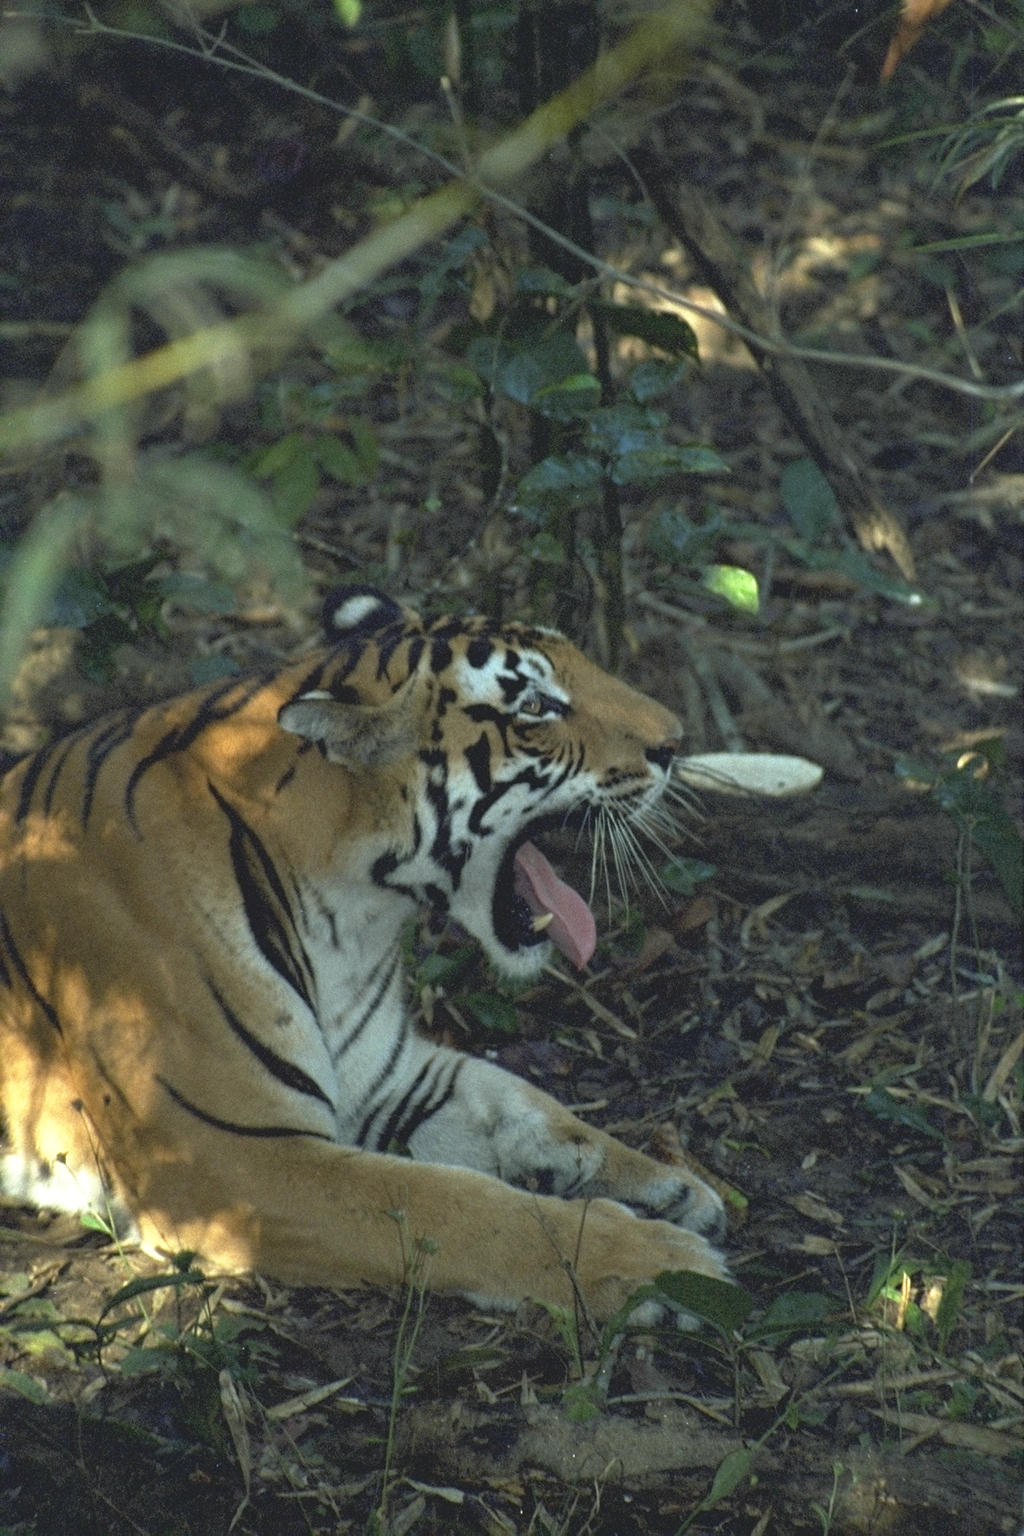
x=678, y=1196
x=620, y=1252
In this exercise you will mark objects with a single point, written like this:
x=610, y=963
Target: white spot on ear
x=354, y=610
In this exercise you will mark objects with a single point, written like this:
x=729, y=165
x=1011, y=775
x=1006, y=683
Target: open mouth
x=533, y=904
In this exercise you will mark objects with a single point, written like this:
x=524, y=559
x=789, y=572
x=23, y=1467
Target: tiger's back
x=202, y=908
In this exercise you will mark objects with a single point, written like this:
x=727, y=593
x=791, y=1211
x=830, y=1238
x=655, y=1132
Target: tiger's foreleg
x=499, y=1124
x=315, y=1213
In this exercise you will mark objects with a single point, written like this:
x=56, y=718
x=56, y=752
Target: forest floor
x=833, y=1022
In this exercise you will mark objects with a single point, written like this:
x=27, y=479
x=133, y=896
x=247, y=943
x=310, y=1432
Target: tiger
x=204, y=915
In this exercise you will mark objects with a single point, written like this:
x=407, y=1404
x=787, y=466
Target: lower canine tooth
x=543, y=921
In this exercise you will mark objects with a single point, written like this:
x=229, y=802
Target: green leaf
x=34, y=1340
x=541, y=280
x=619, y=1321
x=340, y=462
x=220, y=512
x=653, y=378
x=950, y=1301
x=278, y=456
x=195, y=592
x=545, y=547
x=884, y=1269
x=626, y=427
x=809, y=500
x=35, y=1310
x=982, y=1111
x=349, y=11
x=684, y=876
x=568, y=399
x=581, y=1401
x=856, y=564
x=997, y=838
x=519, y=369
x=732, y=1470
x=520, y=377
x=364, y=441
x=977, y=811
x=885, y=1106
x=31, y=579
x=674, y=537
x=563, y=1320
x=142, y=1285
x=143, y=1360
x=492, y=1011
x=457, y=381
x=699, y=459
x=561, y=477
x=656, y=462
x=94, y=1223
x=258, y=20
x=794, y=1312
x=724, y=1305
x=82, y=595
x=657, y=327
x=737, y=586
x=296, y=484
x=917, y=770
x=438, y=969
x=23, y=1384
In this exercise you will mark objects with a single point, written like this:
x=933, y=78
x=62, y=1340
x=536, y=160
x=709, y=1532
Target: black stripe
x=105, y=741
x=101, y=1070
x=388, y=644
x=266, y=905
x=285, y=1071
x=383, y=1138
x=489, y=714
x=58, y=769
x=6, y=978
x=180, y=737
x=417, y=646
x=28, y=783
x=402, y=1124
x=478, y=756
x=232, y=1126
x=328, y=918
x=389, y=964
x=485, y=804
x=310, y=683
x=285, y=778
x=445, y=854
x=7, y=940
x=541, y=783
x=379, y=1081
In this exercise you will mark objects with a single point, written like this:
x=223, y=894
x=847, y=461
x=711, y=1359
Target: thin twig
x=212, y=52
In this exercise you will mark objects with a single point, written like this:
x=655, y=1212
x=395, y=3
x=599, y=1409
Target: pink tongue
x=572, y=927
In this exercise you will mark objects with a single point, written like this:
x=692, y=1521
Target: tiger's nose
x=663, y=755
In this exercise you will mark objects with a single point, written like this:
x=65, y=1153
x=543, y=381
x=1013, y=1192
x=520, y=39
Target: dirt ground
x=833, y=1022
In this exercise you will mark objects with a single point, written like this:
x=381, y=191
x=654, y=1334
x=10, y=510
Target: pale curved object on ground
x=771, y=774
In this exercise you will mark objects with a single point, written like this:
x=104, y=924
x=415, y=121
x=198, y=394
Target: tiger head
x=492, y=732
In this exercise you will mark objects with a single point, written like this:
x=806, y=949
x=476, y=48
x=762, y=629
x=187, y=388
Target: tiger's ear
x=356, y=612
x=362, y=735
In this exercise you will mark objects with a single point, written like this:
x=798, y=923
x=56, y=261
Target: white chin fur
x=518, y=965
x=60, y=1188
